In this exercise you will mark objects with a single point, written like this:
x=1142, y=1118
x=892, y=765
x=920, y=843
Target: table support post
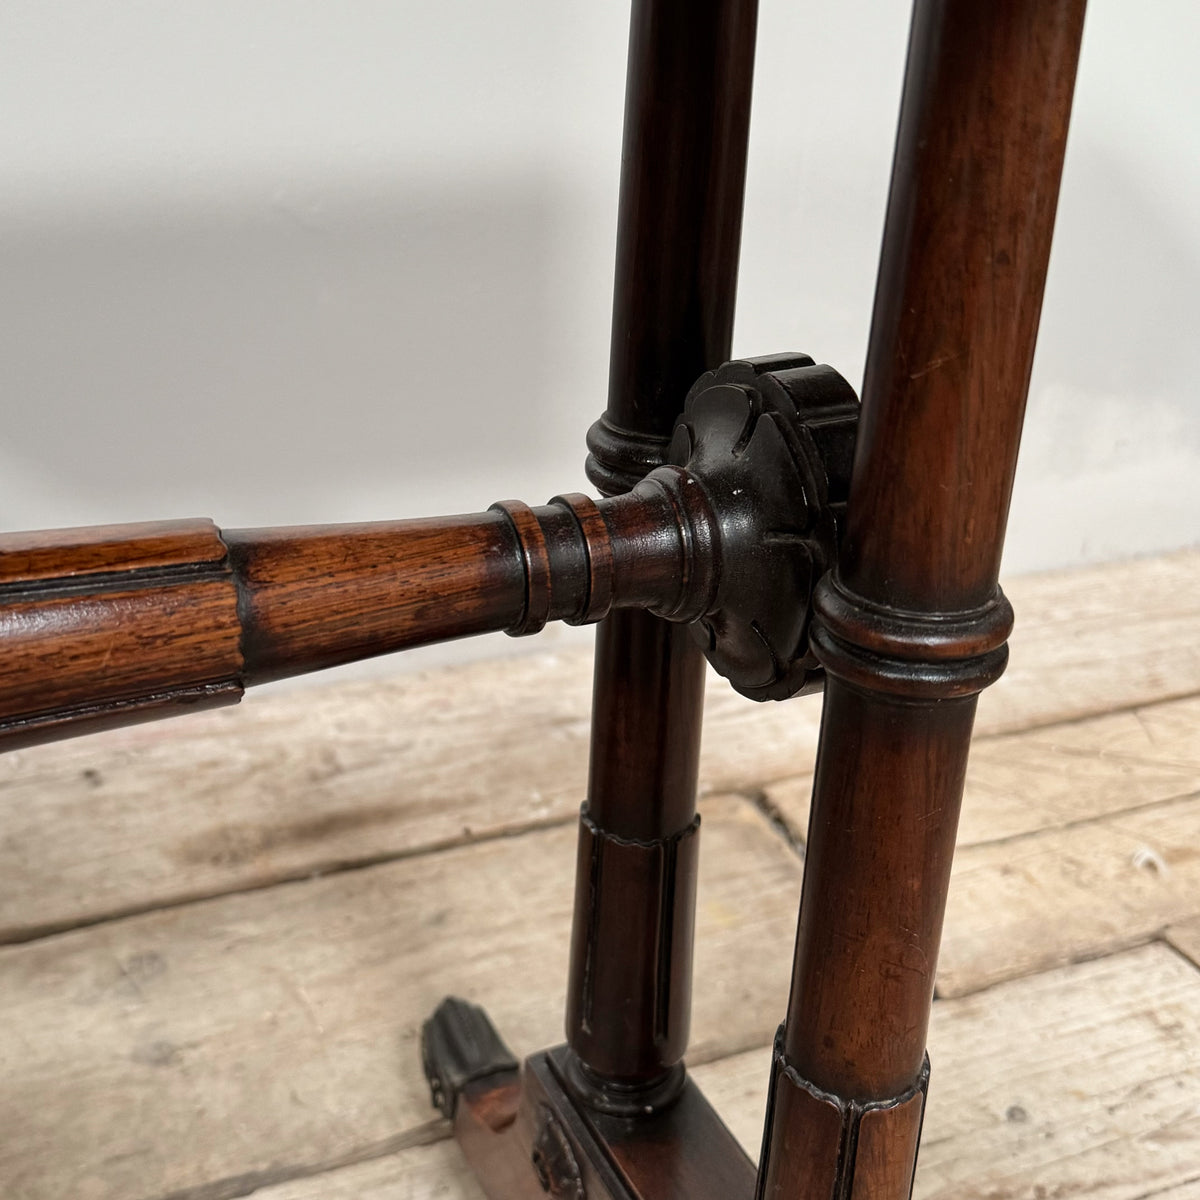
x=912, y=625
x=679, y=227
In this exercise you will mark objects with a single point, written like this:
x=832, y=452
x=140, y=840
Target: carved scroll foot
x=527, y=1136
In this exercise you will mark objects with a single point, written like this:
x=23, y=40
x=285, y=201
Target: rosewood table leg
x=911, y=625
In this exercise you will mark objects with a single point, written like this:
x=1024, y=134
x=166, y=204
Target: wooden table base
x=526, y=1135
x=726, y=507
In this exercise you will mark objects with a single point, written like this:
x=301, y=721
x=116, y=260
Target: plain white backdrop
x=295, y=261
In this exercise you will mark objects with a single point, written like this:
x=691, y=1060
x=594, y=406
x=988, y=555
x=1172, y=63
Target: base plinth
x=526, y=1135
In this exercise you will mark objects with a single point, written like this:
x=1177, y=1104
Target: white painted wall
x=297, y=261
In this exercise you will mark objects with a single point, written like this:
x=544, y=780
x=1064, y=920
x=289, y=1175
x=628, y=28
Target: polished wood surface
x=315, y=597
x=108, y=550
x=683, y=166
x=983, y=128
x=117, y=624
x=114, y=625
x=679, y=221
x=750, y=499
x=911, y=624
x=683, y=1152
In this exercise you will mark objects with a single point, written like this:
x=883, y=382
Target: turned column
x=911, y=625
x=687, y=115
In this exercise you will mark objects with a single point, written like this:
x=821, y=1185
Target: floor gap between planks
x=363, y=849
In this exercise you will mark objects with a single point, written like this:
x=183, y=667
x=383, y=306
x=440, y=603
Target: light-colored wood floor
x=221, y=934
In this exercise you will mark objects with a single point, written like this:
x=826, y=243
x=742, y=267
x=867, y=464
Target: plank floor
x=219, y=935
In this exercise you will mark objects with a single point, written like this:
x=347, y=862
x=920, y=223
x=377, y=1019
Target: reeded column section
x=687, y=114
x=911, y=625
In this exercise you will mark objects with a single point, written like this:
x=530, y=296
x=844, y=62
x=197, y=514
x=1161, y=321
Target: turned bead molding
x=110, y=625
x=923, y=656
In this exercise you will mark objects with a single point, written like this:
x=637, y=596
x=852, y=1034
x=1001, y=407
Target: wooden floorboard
x=1098, y=1095
x=291, y=784
x=1058, y=896
x=1079, y=1081
x=1059, y=775
x=435, y=1172
x=263, y=1040
x=1076, y=840
x=261, y=1035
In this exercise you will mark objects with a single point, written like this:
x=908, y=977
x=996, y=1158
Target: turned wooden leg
x=679, y=228
x=618, y=1092
x=912, y=625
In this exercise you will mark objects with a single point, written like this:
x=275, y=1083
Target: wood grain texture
x=1097, y=1096
x=80, y=651
x=100, y=626
x=107, y=549
x=275, y=1032
x=1034, y=902
x=1059, y=775
x=1186, y=939
x=975, y=179
x=311, y=779
x=436, y=1172
x=123, y=617
x=910, y=624
x=315, y=597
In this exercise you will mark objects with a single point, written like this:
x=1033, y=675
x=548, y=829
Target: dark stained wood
x=647, y=681
x=647, y=891
x=117, y=643
x=911, y=625
x=106, y=626
x=885, y=1154
x=877, y=864
x=828, y=1147
x=683, y=164
x=679, y=217
x=486, y=1128
x=102, y=626
x=681, y=1153
x=803, y=1140
x=684, y=1152
x=983, y=126
x=124, y=623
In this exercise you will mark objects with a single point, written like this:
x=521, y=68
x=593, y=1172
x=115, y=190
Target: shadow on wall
x=433, y=352
x=1110, y=463
x=285, y=364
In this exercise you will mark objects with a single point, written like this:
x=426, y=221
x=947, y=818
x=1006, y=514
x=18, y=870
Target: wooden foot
x=527, y=1135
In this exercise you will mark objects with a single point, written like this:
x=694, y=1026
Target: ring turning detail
x=730, y=538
